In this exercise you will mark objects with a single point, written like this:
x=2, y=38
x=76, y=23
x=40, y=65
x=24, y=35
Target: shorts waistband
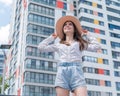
x=65, y=64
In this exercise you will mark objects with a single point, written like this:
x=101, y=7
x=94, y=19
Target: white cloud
x=6, y=2
x=4, y=33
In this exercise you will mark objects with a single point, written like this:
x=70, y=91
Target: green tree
x=5, y=86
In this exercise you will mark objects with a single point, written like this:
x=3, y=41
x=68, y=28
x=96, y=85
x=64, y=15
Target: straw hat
x=62, y=20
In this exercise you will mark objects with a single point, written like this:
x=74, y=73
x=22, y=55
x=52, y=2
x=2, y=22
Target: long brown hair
x=77, y=37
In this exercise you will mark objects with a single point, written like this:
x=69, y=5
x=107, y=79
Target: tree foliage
x=5, y=86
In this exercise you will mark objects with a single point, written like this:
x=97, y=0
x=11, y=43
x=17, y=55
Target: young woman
x=73, y=41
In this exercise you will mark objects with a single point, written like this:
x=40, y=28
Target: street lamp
x=4, y=46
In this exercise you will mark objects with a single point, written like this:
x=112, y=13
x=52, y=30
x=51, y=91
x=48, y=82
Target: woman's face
x=68, y=28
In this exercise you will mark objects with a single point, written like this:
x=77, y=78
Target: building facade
x=1, y=63
x=102, y=18
x=33, y=72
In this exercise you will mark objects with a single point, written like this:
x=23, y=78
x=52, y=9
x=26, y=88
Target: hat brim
x=62, y=20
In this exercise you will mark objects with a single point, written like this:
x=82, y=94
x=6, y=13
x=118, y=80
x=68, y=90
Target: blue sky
x=5, y=14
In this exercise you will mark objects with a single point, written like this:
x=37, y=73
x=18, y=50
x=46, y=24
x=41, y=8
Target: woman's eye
x=68, y=24
x=65, y=24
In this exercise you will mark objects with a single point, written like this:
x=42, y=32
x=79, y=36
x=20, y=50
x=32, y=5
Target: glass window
x=108, y=83
x=116, y=64
x=37, y=64
x=27, y=76
x=104, y=51
x=108, y=94
x=118, y=86
x=106, y=72
x=36, y=8
x=102, y=32
x=101, y=23
x=65, y=6
x=41, y=77
x=118, y=94
x=35, y=17
x=43, y=10
x=33, y=63
x=30, y=17
x=63, y=13
x=99, y=6
x=117, y=74
x=103, y=41
x=100, y=14
x=105, y=61
x=90, y=70
x=37, y=89
x=32, y=89
x=28, y=63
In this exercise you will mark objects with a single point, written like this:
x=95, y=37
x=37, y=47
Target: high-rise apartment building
x=33, y=73
x=1, y=63
x=102, y=18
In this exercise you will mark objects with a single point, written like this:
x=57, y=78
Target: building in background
x=33, y=72
x=1, y=63
x=102, y=18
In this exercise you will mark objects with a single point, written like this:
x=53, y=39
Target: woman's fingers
x=54, y=35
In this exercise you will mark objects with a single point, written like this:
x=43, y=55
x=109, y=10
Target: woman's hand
x=54, y=35
x=85, y=32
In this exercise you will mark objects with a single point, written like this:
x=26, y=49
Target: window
x=38, y=90
x=116, y=64
x=117, y=74
x=115, y=44
x=63, y=13
x=92, y=82
x=91, y=21
x=115, y=54
x=100, y=14
x=75, y=12
x=108, y=83
x=110, y=18
x=103, y=41
x=33, y=63
x=40, y=19
x=39, y=77
x=30, y=17
x=28, y=63
x=106, y=72
x=65, y=6
x=99, y=6
x=104, y=51
x=118, y=86
x=111, y=2
x=105, y=61
x=109, y=94
x=93, y=30
x=40, y=29
x=94, y=93
x=113, y=10
x=101, y=23
x=118, y=94
x=115, y=35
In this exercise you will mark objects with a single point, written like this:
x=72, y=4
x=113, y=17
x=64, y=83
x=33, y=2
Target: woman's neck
x=69, y=39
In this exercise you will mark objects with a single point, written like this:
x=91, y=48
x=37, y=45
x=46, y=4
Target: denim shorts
x=70, y=76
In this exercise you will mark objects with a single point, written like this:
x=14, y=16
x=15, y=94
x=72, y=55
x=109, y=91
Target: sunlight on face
x=68, y=28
